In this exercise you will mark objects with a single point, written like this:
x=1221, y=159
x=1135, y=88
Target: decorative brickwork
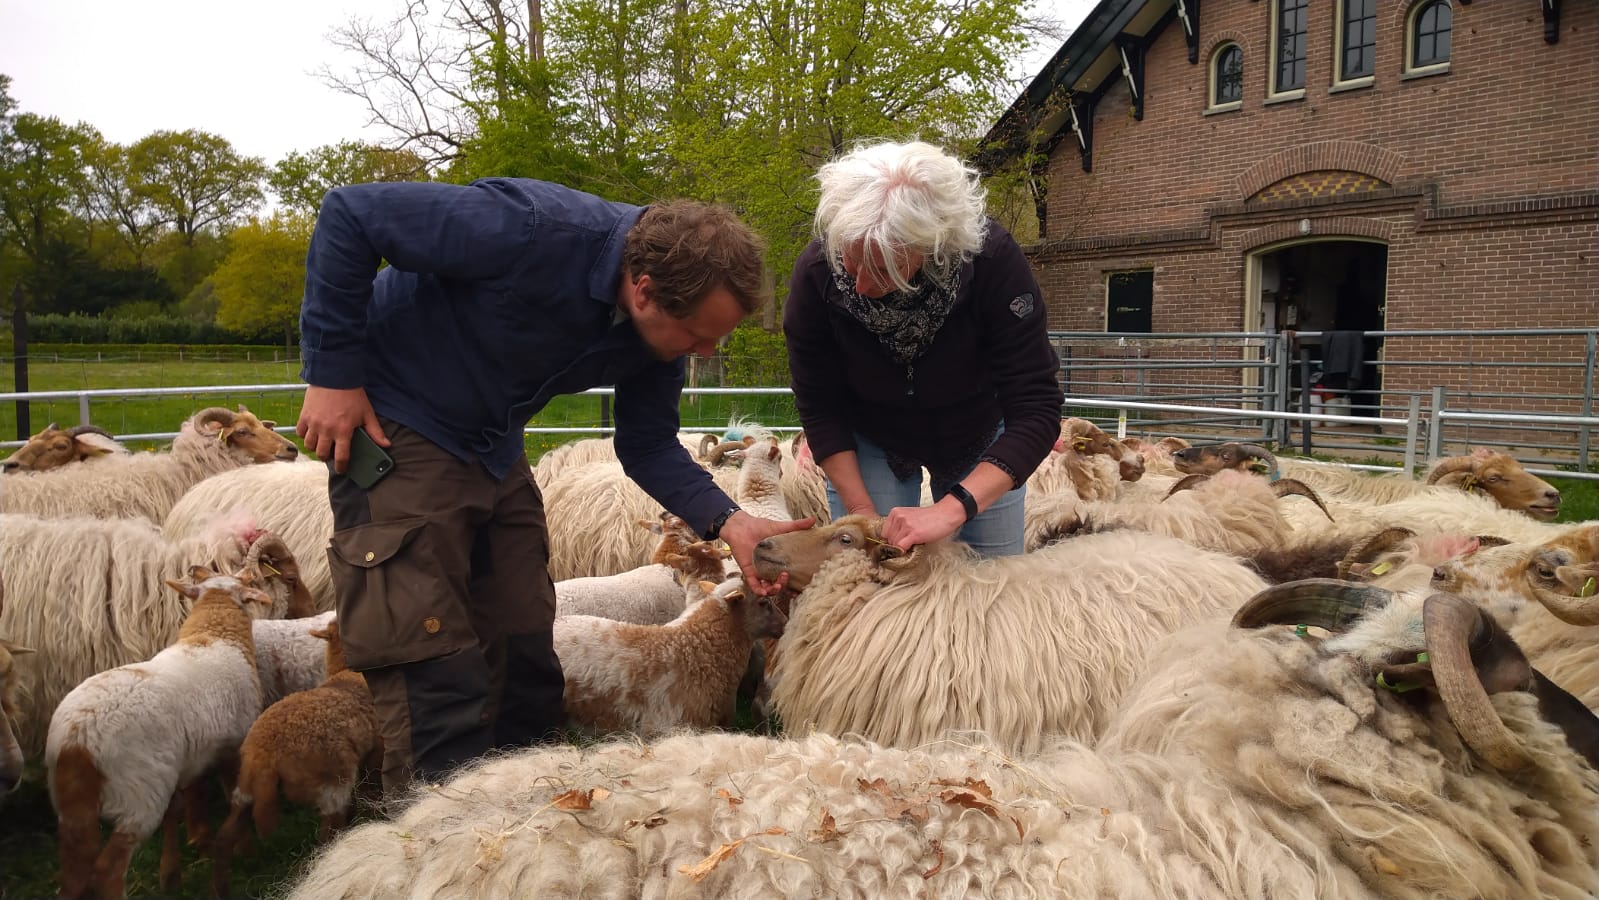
x=1349, y=157
x=1319, y=184
x=1330, y=227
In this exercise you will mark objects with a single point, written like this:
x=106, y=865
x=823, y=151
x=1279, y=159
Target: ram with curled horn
x=1213, y=458
x=1501, y=477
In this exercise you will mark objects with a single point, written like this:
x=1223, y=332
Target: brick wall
x=1488, y=198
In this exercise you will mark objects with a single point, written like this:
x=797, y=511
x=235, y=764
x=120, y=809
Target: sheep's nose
x=289, y=452
x=765, y=544
x=8, y=466
x=1552, y=495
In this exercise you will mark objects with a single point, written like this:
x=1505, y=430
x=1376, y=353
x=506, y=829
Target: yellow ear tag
x=1469, y=483
x=269, y=568
x=1080, y=444
x=1587, y=588
x=1381, y=567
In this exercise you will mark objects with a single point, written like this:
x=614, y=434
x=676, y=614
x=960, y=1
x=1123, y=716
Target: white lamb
x=148, y=484
x=652, y=678
x=124, y=743
x=904, y=649
x=89, y=595
x=1247, y=764
x=649, y=595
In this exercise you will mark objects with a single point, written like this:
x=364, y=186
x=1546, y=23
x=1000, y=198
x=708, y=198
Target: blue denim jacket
x=498, y=296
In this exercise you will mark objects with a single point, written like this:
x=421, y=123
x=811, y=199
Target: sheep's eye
x=846, y=539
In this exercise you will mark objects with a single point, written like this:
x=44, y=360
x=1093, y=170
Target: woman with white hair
x=917, y=340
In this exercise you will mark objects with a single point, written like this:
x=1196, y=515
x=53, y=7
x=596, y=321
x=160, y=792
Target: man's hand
x=743, y=531
x=329, y=416
x=907, y=526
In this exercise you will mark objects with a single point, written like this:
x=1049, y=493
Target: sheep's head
x=1213, y=458
x=802, y=553
x=762, y=617
x=203, y=584
x=244, y=434
x=1085, y=437
x=676, y=536
x=10, y=750
x=1500, y=476
x=1563, y=575
x=55, y=447
x=1443, y=644
x=335, y=651
x=698, y=561
x=270, y=564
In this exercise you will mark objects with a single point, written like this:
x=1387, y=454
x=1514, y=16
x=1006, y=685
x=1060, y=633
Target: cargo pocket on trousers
x=394, y=605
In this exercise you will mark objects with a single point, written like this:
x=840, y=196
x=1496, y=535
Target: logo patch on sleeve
x=1022, y=305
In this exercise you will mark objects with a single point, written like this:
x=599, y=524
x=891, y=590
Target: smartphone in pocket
x=368, y=462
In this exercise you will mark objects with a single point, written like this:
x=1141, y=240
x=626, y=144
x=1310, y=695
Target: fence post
x=1304, y=400
x=1435, y=426
x=83, y=409
x=1412, y=426
x=1587, y=400
x=1285, y=388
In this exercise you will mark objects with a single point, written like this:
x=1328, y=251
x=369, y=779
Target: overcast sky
x=243, y=71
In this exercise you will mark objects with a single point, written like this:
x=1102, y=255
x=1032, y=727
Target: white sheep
x=11, y=759
x=55, y=447
x=88, y=595
x=287, y=499
x=148, y=484
x=1246, y=764
x=759, y=490
x=653, y=594
x=652, y=678
x=288, y=657
x=124, y=743
x=309, y=748
x=903, y=649
x=1484, y=472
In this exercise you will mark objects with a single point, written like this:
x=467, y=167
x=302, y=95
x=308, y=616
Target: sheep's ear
x=192, y=591
x=883, y=552
x=15, y=649
x=198, y=574
x=242, y=408
x=323, y=633
x=707, y=586
x=269, y=423
x=654, y=527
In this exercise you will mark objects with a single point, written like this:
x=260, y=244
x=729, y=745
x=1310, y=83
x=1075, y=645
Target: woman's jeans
x=997, y=531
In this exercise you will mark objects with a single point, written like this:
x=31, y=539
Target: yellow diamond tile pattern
x=1319, y=184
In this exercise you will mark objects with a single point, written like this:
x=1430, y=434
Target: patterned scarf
x=904, y=321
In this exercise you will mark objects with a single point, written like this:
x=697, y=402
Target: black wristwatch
x=959, y=492
x=715, y=531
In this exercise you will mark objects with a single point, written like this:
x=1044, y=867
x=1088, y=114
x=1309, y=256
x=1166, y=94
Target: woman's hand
x=907, y=526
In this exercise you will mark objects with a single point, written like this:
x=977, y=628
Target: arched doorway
x=1325, y=285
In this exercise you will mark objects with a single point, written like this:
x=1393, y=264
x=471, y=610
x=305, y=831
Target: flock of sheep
x=1214, y=674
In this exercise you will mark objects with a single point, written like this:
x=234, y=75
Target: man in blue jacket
x=497, y=296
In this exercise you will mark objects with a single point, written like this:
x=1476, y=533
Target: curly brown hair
x=690, y=248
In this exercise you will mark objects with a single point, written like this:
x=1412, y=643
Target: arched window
x=1227, y=76
x=1431, y=24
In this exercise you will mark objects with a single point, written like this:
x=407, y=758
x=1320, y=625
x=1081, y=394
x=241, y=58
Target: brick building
x=1265, y=165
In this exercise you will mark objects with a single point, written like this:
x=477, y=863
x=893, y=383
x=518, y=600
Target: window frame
x=1412, y=22
x=1341, y=80
x=1108, y=274
x=1212, y=90
x=1275, y=93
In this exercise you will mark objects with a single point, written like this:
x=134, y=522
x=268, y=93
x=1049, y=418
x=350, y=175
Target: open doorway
x=1337, y=288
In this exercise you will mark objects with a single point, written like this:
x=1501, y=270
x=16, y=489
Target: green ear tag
x=1587, y=588
x=1381, y=567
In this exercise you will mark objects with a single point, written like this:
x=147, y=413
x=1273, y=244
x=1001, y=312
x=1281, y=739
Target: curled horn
x=714, y=457
x=88, y=429
x=707, y=441
x=1186, y=483
x=1451, y=626
x=1255, y=451
x=1324, y=602
x=1282, y=487
x=1569, y=609
x=1363, y=551
x=301, y=603
x=218, y=414
x=1450, y=467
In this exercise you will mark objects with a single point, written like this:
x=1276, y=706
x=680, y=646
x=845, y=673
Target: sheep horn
x=1186, y=483
x=720, y=450
x=1282, y=487
x=1571, y=609
x=88, y=429
x=707, y=441
x=218, y=414
x=1451, y=466
x=1490, y=540
x=1365, y=550
x=1255, y=451
x=1451, y=626
x=269, y=544
x=1324, y=602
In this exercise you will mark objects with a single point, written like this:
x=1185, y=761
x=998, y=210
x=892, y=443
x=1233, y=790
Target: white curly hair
x=893, y=199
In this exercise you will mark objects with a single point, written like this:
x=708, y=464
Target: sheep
x=1484, y=471
x=310, y=746
x=590, y=510
x=1229, y=513
x=288, y=657
x=759, y=490
x=650, y=678
x=11, y=759
x=1157, y=455
x=653, y=594
x=55, y=447
x=288, y=499
x=1442, y=511
x=1212, y=458
x=125, y=742
x=87, y=595
x=148, y=484
x=902, y=648
x=1249, y=762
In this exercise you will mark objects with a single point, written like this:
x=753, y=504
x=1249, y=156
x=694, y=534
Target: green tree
x=259, y=284
x=301, y=179
x=198, y=183
x=117, y=198
x=41, y=183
